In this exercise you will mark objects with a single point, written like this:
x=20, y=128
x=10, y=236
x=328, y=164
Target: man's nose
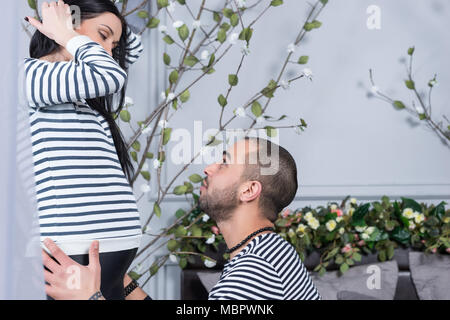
x=209, y=170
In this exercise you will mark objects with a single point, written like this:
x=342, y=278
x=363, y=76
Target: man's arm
x=61, y=282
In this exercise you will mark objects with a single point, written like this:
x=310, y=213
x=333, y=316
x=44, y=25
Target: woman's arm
x=92, y=73
x=134, y=47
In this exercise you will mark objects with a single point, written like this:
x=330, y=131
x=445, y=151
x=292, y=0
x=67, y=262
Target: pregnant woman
x=75, y=80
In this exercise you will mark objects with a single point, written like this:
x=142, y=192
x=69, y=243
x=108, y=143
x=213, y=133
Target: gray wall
x=354, y=145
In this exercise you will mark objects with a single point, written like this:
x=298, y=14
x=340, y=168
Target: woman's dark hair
x=41, y=46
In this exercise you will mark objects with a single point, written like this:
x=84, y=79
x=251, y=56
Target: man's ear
x=250, y=191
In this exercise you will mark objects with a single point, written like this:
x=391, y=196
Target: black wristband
x=130, y=287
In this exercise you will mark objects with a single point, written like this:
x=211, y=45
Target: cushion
x=209, y=279
x=374, y=281
x=431, y=275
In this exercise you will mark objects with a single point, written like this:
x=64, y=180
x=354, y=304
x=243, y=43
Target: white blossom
x=209, y=263
x=374, y=89
x=211, y=239
x=205, y=218
x=353, y=200
x=233, y=38
x=419, y=109
x=163, y=123
x=128, y=101
x=173, y=258
x=147, y=229
x=145, y=188
x=240, y=112
x=156, y=164
x=171, y=7
x=177, y=24
x=162, y=28
x=204, y=55
x=170, y=97
x=241, y=3
x=196, y=24
x=284, y=84
x=139, y=268
x=146, y=130
x=307, y=73
x=163, y=95
x=291, y=48
x=245, y=50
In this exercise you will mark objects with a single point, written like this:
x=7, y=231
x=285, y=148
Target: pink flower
x=347, y=248
x=434, y=250
x=338, y=212
x=361, y=243
x=286, y=213
x=356, y=237
x=448, y=250
x=423, y=241
x=215, y=230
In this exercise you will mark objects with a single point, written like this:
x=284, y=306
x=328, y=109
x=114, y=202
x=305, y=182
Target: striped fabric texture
x=82, y=192
x=268, y=268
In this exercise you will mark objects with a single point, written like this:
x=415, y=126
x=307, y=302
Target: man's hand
x=69, y=280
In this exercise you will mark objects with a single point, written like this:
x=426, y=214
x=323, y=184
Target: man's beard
x=219, y=204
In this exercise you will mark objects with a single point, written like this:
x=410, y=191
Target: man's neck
x=241, y=224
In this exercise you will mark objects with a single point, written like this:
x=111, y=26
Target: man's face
x=219, y=193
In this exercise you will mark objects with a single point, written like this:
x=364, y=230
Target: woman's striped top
x=268, y=268
x=82, y=192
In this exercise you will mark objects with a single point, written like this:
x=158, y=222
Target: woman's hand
x=56, y=22
x=69, y=280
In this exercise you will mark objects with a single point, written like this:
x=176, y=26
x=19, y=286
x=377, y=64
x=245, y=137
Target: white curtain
x=21, y=270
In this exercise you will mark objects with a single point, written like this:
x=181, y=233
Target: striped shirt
x=268, y=268
x=81, y=189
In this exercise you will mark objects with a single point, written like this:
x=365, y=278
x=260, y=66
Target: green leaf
x=182, y=2
x=179, y=190
x=157, y=209
x=234, y=19
x=401, y=235
x=411, y=51
x=182, y=263
x=183, y=32
x=32, y=4
x=172, y=245
x=221, y=36
x=222, y=100
x=190, y=61
x=134, y=275
x=196, y=231
x=246, y=34
x=344, y=267
x=303, y=60
x=270, y=89
x=136, y=146
x=163, y=3
x=143, y=14
x=356, y=256
x=410, y=203
x=125, y=115
x=180, y=231
x=173, y=77
x=276, y=3
x=257, y=109
x=216, y=16
x=166, y=135
x=398, y=105
x=439, y=210
x=271, y=131
x=390, y=252
x=184, y=97
x=179, y=213
x=153, y=23
x=168, y=39
x=324, y=2
x=154, y=269
x=195, y=178
x=133, y=155
x=410, y=84
x=149, y=155
x=233, y=79
x=382, y=255
x=166, y=59
x=227, y=12
x=359, y=214
x=422, y=116
x=146, y=175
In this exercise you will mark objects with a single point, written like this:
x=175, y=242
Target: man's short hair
x=280, y=186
